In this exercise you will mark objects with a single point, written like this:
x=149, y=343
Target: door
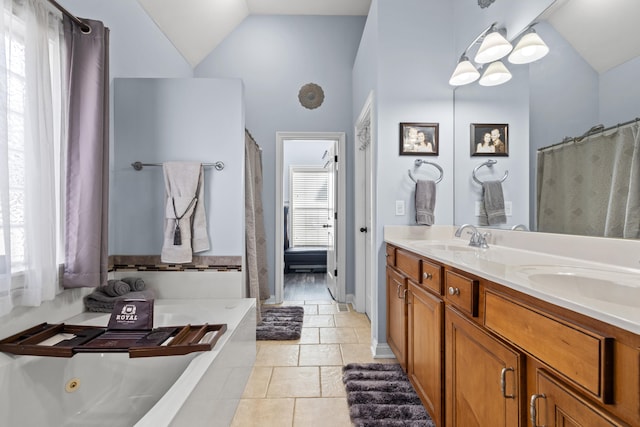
x=555, y=405
x=332, y=202
x=425, y=345
x=397, y=315
x=483, y=386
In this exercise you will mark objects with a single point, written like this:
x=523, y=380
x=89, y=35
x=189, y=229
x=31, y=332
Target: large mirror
x=589, y=78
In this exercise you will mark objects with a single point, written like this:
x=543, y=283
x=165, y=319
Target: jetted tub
x=111, y=389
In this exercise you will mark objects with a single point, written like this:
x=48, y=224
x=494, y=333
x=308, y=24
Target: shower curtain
x=591, y=186
x=256, y=252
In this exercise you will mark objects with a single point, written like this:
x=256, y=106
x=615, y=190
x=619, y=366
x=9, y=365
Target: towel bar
x=420, y=162
x=489, y=164
x=139, y=165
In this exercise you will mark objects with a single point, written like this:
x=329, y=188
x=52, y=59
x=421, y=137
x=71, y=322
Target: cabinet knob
x=427, y=276
x=453, y=291
x=532, y=408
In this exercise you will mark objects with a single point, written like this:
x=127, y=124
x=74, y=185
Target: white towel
x=184, y=185
x=425, y=201
x=493, y=204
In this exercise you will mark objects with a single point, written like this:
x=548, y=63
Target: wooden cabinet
x=397, y=315
x=426, y=348
x=555, y=405
x=482, y=354
x=483, y=376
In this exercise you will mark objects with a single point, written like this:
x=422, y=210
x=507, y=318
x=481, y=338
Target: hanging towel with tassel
x=185, y=227
x=425, y=201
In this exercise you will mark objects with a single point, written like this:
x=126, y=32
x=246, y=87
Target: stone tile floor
x=299, y=383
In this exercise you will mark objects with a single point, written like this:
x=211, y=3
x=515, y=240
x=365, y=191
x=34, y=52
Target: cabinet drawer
x=391, y=255
x=431, y=276
x=462, y=292
x=584, y=357
x=409, y=264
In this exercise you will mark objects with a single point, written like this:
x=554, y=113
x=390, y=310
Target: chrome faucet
x=520, y=227
x=478, y=240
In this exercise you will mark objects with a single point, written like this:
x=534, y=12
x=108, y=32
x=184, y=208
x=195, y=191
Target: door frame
x=365, y=256
x=341, y=246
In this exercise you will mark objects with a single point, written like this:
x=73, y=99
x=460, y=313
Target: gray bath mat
x=381, y=395
x=280, y=323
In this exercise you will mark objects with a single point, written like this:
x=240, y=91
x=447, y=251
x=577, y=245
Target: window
x=31, y=101
x=309, y=206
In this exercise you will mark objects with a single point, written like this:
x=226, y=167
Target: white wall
x=274, y=56
x=158, y=120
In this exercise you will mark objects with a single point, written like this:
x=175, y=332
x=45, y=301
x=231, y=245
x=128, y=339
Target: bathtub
x=111, y=389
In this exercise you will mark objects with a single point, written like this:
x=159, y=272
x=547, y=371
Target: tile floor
x=299, y=383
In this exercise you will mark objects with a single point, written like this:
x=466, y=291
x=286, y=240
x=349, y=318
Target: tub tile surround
x=299, y=383
x=602, y=264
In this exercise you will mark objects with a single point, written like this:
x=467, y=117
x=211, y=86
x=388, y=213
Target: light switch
x=399, y=207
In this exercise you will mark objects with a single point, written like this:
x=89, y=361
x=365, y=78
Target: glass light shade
x=495, y=74
x=464, y=73
x=530, y=48
x=493, y=47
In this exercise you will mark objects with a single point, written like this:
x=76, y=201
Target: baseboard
x=381, y=350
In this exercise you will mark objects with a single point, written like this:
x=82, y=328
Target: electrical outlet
x=399, y=207
x=479, y=208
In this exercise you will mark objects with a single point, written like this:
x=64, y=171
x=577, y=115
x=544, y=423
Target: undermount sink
x=592, y=283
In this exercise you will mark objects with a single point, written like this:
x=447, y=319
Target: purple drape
x=87, y=189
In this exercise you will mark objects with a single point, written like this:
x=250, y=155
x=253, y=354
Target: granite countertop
x=606, y=292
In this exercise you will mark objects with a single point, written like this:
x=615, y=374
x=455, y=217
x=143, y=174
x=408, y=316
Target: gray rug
x=280, y=323
x=381, y=395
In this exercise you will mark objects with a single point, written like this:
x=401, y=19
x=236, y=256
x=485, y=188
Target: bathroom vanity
x=509, y=337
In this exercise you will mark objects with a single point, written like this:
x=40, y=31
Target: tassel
x=177, y=235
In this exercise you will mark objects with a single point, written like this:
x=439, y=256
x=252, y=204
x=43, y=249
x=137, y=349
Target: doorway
x=310, y=213
x=365, y=274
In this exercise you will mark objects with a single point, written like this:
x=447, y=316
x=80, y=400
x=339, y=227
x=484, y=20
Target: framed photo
x=489, y=139
x=419, y=139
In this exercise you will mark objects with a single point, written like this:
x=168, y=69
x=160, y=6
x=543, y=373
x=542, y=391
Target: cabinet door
x=555, y=405
x=483, y=377
x=426, y=348
x=397, y=315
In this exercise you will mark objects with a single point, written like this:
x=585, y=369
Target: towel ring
x=489, y=164
x=419, y=163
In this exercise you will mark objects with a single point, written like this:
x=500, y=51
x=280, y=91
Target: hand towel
x=425, y=201
x=115, y=288
x=493, y=204
x=135, y=283
x=184, y=210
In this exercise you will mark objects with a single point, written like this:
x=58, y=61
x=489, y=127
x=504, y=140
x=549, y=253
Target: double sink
x=563, y=278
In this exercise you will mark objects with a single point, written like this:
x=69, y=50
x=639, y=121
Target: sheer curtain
x=31, y=118
x=592, y=186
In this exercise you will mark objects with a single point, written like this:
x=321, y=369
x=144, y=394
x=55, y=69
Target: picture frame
x=419, y=139
x=489, y=139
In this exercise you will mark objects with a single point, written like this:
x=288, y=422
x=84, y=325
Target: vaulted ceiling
x=605, y=33
x=196, y=27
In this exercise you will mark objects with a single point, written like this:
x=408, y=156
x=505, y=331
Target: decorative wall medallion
x=485, y=3
x=311, y=96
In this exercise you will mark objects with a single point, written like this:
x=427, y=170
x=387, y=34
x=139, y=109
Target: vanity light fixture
x=494, y=46
x=464, y=73
x=530, y=48
x=495, y=74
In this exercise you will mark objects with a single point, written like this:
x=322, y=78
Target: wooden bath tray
x=60, y=340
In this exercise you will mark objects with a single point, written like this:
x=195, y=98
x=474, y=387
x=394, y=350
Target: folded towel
x=135, y=283
x=185, y=227
x=425, y=201
x=115, y=288
x=99, y=302
x=493, y=204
